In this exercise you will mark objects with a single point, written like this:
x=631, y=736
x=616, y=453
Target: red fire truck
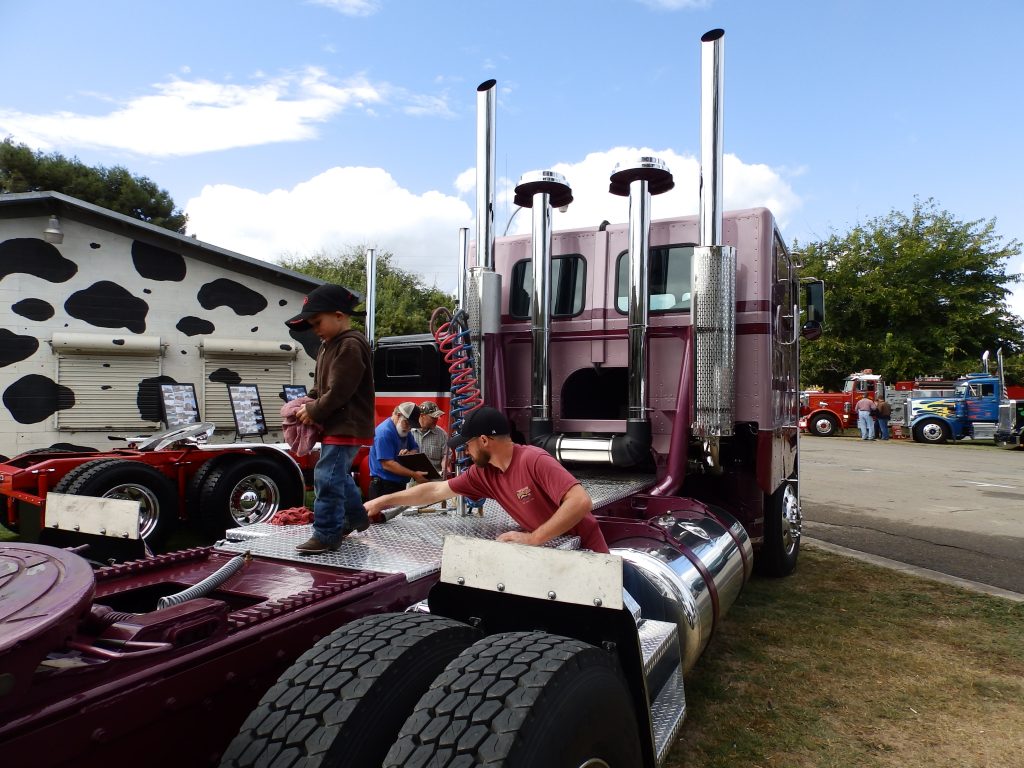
x=829, y=413
x=659, y=361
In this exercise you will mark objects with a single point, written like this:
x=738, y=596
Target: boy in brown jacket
x=342, y=406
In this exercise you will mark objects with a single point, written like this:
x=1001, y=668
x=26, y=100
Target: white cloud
x=336, y=209
x=350, y=7
x=744, y=186
x=365, y=206
x=187, y=117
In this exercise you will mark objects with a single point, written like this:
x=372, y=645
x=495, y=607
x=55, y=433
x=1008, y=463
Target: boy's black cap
x=483, y=421
x=327, y=298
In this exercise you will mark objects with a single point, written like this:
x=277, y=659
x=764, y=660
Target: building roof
x=57, y=204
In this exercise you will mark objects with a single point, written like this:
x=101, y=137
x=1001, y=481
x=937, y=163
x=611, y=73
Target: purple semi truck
x=659, y=361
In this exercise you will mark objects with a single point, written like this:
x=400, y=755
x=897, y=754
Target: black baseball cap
x=483, y=421
x=327, y=298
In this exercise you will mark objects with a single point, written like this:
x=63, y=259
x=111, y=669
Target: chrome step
x=667, y=714
x=658, y=639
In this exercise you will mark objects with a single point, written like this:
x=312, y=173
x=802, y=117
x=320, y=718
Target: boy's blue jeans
x=337, y=497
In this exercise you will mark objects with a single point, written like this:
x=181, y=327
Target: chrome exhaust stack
x=540, y=190
x=483, y=285
x=647, y=176
x=713, y=272
x=371, y=297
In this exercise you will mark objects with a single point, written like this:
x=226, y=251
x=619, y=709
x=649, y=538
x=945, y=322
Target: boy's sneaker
x=315, y=547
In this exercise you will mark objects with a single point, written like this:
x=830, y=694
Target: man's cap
x=483, y=421
x=429, y=408
x=409, y=411
x=327, y=298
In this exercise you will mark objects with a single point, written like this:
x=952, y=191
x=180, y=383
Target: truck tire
x=343, y=701
x=823, y=425
x=931, y=431
x=132, y=480
x=782, y=523
x=244, y=490
x=523, y=700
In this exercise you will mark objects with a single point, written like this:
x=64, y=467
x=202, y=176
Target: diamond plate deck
x=605, y=488
x=407, y=545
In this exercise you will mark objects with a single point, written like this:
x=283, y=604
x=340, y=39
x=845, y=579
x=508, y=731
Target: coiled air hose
x=451, y=332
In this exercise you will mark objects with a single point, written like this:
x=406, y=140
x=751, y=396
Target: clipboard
x=418, y=462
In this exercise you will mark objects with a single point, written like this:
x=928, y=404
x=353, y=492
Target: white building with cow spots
x=99, y=309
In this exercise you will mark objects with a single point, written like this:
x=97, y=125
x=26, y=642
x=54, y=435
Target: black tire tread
x=76, y=481
x=301, y=716
x=473, y=713
x=213, y=516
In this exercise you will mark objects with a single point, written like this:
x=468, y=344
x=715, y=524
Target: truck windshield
x=849, y=385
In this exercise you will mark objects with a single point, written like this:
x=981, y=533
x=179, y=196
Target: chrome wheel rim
x=932, y=432
x=149, y=507
x=823, y=426
x=254, y=499
x=792, y=519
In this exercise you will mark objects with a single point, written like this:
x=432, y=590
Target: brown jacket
x=343, y=387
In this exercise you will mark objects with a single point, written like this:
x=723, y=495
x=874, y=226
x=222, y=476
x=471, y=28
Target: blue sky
x=288, y=126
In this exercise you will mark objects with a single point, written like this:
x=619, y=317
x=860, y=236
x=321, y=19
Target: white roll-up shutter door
x=104, y=373
x=268, y=365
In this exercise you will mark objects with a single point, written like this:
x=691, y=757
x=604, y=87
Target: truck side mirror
x=811, y=330
x=814, y=305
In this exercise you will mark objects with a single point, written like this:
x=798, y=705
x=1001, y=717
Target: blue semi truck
x=979, y=408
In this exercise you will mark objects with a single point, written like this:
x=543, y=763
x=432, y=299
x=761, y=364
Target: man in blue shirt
x=393, y=438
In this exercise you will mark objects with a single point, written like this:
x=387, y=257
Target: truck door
x=785, y=361
x=982, y=401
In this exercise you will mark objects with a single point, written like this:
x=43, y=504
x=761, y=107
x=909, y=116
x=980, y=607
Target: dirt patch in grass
x=847, y=664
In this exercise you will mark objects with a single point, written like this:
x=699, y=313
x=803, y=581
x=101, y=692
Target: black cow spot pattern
x=34, y=398
x=192, y=326
x=108, y=305
x=32, y=256
x=156, y=263
x=94, y=246
x=15, y=348
x=33, y=309
x=148, y=398
x=223, y=292
x=225, y=376
x=282, y=302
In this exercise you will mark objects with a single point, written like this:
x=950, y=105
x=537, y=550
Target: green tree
x=404, y=305
x=116, y=189
x=911, y=295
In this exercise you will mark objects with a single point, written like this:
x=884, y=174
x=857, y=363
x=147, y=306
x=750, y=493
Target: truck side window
x=568, y=286
x=668, y=279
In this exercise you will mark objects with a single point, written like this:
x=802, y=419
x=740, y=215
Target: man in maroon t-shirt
x=536, y=491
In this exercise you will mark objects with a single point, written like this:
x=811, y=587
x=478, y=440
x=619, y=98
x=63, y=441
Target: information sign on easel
x=293, y=392
x=247, y=409
x=179, y=404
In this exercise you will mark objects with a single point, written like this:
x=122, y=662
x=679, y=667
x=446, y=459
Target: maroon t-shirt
x=530, y=490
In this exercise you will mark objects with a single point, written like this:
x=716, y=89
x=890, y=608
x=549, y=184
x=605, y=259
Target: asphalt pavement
x=955, y=510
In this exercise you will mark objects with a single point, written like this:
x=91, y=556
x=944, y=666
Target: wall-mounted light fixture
x=53, y=233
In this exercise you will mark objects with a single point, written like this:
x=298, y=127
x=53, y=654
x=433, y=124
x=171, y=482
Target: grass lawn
x=848, y=664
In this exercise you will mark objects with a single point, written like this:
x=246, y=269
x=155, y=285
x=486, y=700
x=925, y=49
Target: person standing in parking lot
x=864, y=407
x=882, y=413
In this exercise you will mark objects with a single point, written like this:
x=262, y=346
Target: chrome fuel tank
x=693, y=579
